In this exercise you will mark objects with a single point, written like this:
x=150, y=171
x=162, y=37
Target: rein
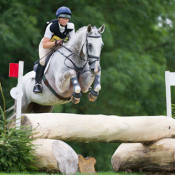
x=78, y=69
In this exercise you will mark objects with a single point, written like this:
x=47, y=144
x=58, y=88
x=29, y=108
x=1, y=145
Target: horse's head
x=93, y=46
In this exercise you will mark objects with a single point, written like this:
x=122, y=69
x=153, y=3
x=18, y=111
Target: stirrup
x=38, y=88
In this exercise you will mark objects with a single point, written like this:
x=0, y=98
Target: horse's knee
x=84, y=89
x=69, y=74
x=63, y=82
x=72, y=73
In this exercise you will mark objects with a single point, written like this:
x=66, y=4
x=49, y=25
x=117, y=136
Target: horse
x=72, y=69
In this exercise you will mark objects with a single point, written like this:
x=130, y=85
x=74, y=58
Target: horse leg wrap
x=76, y=85
x=97, y=85
x=94, y=93
x=76, y=95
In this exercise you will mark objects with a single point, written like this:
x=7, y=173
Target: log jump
x=100, y=128
x=156, y=133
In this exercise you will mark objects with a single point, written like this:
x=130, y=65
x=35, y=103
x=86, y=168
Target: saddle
x=47, y=63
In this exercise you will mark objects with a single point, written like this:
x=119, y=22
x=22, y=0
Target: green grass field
x=100, y=173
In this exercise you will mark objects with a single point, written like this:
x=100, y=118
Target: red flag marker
x=13, y=69
x=16, y=70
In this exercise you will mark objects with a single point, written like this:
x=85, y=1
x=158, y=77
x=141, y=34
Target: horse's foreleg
x=94, y=93
x=76, y=95
x=76, y=85
x=65, y=85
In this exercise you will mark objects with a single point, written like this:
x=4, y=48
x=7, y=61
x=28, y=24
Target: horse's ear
x=89, y=28
x=101, y=29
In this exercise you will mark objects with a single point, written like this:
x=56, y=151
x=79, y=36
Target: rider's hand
x=59, y=42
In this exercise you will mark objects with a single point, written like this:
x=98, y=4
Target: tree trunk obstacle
x=158, y=157
x=55, y=156
x=147, y=142
x=100, y=128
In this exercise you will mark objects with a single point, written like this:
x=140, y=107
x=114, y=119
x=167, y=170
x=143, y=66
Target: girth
x=53, y=91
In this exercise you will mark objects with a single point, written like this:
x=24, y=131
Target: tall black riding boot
x=38, y=78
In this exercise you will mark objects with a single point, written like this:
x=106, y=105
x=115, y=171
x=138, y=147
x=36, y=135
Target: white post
x=168, y=93
x=169, y=81
x=19, y=94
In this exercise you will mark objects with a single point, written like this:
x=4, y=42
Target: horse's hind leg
x=42, y=109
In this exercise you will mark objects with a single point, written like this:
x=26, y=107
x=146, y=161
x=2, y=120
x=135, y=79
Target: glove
x=59, y=42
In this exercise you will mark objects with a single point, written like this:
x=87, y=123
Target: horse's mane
x=81, y=29
x=78, y=32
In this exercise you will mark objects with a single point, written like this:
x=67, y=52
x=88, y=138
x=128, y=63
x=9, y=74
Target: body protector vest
x=57, y=35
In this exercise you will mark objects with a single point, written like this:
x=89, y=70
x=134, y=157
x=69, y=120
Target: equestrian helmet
x=63, y=12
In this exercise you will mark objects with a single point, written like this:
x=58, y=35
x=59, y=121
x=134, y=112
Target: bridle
x=89, y=57
x=87, y=51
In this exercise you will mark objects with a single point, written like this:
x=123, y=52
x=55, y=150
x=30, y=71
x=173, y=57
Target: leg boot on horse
x=94, y=93
x=38, y=78
x=76, y=95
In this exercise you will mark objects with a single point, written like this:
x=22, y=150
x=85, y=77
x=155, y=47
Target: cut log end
x=115, y=161
x=86, y=165
x=66, y=157
x=157, y=157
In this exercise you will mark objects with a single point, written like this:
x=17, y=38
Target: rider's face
x=63, y=21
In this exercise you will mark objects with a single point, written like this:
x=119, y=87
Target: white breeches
x=43, y=53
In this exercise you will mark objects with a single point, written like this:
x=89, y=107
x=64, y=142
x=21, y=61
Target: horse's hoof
x=91, y=97
x=75, y=100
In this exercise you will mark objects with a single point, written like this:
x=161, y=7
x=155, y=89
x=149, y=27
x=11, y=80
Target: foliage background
x=139, y=47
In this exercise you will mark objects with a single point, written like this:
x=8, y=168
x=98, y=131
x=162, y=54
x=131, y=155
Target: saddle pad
x=32, y=76
x=47, y=66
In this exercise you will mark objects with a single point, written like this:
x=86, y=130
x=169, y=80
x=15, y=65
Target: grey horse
x=71, y=70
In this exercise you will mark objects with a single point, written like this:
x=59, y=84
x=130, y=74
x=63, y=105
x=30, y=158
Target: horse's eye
x=89, y=45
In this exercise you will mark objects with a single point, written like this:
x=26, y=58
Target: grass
x=99, y=173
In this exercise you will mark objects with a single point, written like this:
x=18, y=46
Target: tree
x=139, y=47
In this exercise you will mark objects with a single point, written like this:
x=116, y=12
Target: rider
x=55, y=32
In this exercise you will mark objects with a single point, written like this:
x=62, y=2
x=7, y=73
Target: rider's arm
x=47, y=36
x=47, y=43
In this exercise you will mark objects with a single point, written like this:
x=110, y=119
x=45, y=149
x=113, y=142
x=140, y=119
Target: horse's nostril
x=92, y=70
